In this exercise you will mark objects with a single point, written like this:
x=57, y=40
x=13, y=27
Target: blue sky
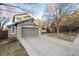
x=38, y=10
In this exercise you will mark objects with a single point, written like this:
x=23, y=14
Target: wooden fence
x=3, y=35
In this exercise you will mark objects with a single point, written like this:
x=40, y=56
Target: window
x=13, y=29
x=18, y=18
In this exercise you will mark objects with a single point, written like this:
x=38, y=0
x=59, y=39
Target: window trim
x=14, y=30
x=18, y=19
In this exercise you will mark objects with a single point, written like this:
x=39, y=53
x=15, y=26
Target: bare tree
x=7, y=5
x=60, y=11
x=3, y=21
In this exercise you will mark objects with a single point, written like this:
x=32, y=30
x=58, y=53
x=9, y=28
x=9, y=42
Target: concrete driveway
x=44, y=45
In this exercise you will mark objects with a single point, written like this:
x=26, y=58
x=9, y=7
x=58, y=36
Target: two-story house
x=23, y=26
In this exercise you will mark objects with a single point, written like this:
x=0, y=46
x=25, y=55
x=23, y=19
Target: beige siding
x=24, y=32
x=23, y=17
x=17, y=20
x=10, y=34
x=19, y=30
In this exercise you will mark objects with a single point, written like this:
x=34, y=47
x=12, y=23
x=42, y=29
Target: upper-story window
x=18, y=18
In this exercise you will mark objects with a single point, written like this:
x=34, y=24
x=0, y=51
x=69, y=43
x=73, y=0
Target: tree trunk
x=58, y=30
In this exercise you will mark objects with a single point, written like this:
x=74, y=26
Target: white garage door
x=26, y=32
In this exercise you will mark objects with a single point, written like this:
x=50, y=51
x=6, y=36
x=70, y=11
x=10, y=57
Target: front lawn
x=63, y=36
x=12, y=49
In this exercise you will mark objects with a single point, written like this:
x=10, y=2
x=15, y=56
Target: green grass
x=13, y=49
x=63, y=36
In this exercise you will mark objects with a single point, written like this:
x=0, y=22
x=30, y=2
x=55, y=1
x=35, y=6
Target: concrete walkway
x=75, y=46
x=44, y=45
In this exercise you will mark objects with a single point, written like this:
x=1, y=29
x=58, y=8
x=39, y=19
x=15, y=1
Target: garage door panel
x=26, y=32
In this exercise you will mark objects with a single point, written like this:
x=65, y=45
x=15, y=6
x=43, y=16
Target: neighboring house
x=23, y=26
